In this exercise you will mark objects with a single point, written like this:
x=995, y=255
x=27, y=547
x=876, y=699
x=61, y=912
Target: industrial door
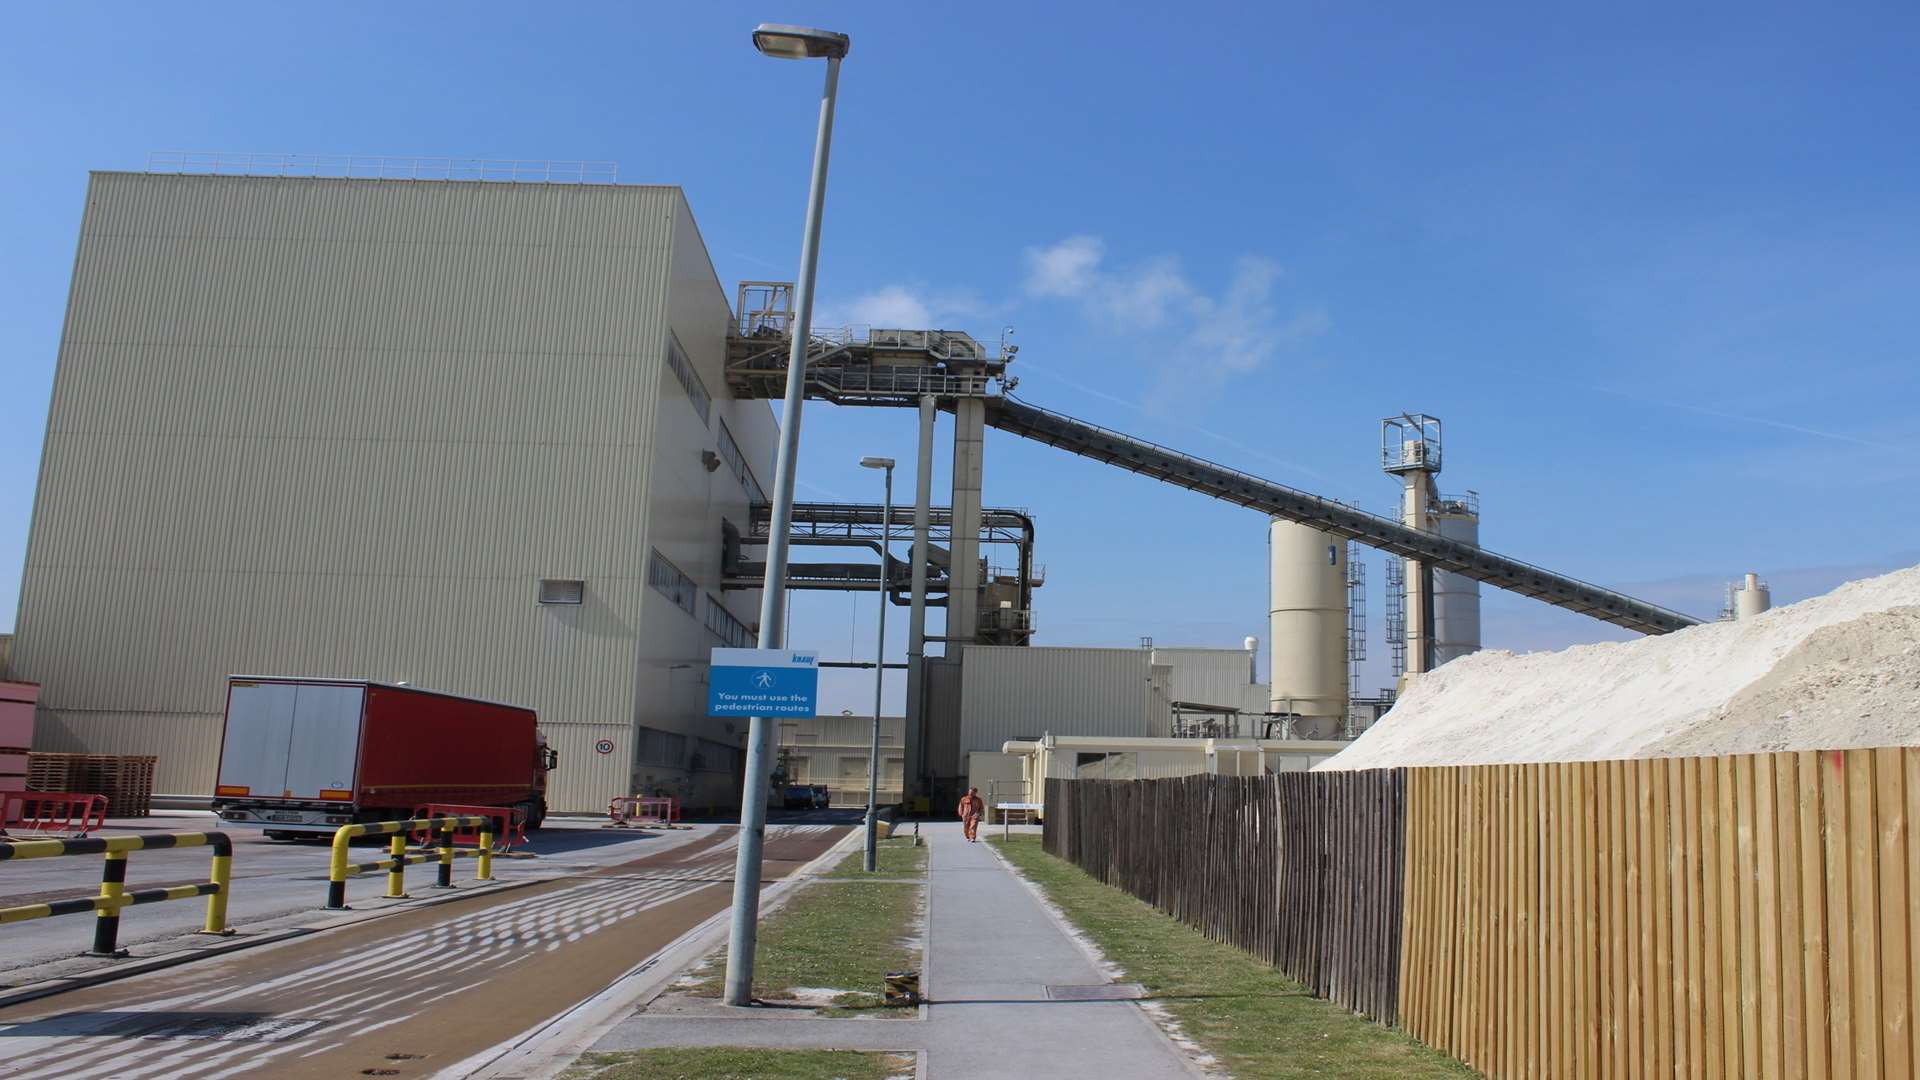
x=324, y=745
x=253, y=758
x=291, y=740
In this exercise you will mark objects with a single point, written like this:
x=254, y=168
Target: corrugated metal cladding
x=842, y=731
x=1010, y=692
x=1210, y=676
x=343, y=427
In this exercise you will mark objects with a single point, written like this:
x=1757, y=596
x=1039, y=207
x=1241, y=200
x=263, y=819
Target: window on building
x=562, y=591
x=891, y=770
x=663, y=748
x=887, y=739
x=682, y=369
x=808, y=739
x=710, y=756
x=736, y=460
x=729, y=630
x=1096, y=766
x=853, y=768
x=799, y=769
x=666, y=577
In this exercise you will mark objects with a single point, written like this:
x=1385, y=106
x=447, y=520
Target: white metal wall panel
x=342, y=428
x=1011, y=692
x=69, y=731
x=586, y=779
x=1209, y=676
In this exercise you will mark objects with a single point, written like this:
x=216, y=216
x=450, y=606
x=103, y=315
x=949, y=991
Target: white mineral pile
x=1839, y=671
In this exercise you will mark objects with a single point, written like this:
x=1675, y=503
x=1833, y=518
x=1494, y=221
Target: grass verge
x=739, y=1063
x=833, y=943
x=1256, y=1021
x=895, y=857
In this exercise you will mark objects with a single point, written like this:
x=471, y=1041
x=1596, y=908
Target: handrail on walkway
x=398, y=857
x=113, y=880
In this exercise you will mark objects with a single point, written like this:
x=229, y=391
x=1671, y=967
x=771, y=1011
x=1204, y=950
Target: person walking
x=972, y=806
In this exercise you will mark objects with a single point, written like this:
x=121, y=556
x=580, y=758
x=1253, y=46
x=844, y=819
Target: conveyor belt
x=1231, y=485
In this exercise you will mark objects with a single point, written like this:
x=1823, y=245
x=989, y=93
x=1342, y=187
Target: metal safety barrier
x=70, y=812
x=641, y=811
x=399, y=858
x=113, y=881
x=508, y=824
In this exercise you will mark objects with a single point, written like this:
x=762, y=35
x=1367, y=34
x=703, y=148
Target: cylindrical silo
x=1751, y=598
x=1456, y=599
x=1307, y=622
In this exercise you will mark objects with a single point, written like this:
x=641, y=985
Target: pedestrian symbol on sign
x=763, y=679
x=604, y=746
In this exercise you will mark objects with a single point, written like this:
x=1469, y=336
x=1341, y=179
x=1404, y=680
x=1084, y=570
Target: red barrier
x=53, y=812
x=512, y=824
x=640, y=811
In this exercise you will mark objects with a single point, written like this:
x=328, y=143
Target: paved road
x=410, y=993
x=275, y=879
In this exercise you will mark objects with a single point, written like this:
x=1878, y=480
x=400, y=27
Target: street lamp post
x=786, y=43
x=879, y=654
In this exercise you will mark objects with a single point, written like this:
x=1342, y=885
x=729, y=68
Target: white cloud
x=1067, y=269
x=892, y=306
x=1215, y=337
x=902, y=307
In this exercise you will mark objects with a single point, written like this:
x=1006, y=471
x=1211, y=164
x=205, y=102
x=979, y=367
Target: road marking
x=471, y=949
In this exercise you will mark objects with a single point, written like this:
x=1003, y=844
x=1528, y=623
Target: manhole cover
x=1101, y=992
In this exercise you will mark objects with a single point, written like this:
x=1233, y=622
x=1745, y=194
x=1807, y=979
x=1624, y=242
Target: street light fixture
x=787, y=43
x=784, y=42
x=879, y=655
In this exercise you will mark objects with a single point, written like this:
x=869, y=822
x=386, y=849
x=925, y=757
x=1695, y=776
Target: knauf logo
x=802, y=658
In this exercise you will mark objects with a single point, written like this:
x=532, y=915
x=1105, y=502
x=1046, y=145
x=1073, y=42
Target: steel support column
x=916, y=724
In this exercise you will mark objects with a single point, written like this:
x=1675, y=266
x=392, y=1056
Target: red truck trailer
x=306, y=756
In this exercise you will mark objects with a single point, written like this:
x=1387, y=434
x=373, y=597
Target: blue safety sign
x=763, y=682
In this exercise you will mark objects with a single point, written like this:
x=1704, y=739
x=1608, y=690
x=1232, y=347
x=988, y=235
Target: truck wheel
x=532, y=812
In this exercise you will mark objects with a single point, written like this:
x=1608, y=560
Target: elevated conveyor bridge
x=859, y=366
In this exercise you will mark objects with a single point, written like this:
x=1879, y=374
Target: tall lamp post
x=879, y=653
x=785, y=43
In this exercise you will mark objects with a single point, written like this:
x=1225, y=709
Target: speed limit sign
x=604, y=746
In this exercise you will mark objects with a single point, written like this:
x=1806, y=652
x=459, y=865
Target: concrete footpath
x=993, y=953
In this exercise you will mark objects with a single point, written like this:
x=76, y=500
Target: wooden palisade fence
x=1301, y=869
x=1730, y=917
x=1747, y=916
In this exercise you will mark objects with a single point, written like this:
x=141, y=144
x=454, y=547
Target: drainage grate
x=1100, y=992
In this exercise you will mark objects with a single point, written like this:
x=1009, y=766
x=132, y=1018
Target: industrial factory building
x=467, y=435
x=511, y=440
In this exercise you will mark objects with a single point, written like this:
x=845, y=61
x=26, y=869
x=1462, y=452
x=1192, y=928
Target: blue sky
x=1654, y=267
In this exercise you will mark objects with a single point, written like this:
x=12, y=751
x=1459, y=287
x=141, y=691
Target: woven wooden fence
x=1301, y=869
x=1747, y=916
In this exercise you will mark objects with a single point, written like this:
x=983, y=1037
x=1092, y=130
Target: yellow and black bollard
x=397, y=873
x=106, y=925
x=445, y=879
x=222, y=881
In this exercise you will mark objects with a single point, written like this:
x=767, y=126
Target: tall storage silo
x=1307, y=620
x=1751, y=597
x=1456, y=599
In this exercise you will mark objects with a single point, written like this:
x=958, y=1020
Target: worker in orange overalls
x=972, y=806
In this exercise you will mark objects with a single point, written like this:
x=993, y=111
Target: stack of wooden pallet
x=125, y=779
